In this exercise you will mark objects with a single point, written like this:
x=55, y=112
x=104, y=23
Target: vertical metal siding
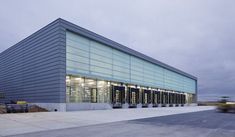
x=34, y=69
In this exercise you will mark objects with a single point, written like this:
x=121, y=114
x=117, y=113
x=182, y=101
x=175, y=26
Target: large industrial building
x=65, y=67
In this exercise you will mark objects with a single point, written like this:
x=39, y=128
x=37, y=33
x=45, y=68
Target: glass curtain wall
x=87, y=90
x=74, y=89
x=103, y=88
x=87, y=57
x=80, y=89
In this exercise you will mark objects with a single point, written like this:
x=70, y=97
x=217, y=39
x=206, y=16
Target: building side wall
x=87, y=57
x=34, y=69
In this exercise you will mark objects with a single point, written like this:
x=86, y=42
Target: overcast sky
x=196, y=36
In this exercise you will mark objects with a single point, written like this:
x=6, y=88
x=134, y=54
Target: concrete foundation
x=87, y=106
x=62, y=107
x=139, y=105
x=150, y=105
x=52, y=106
x=193, y=104
x=126, y=105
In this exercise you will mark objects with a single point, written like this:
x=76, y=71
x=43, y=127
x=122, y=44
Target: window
x=80, y=89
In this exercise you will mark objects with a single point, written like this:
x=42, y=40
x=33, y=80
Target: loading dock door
x=184, y=100
x=133, y=97
x=155, y=99
x=167, y=97
x=158, y=97
x=180, y=99
x=170, y=99
x=173, y=98
x=117, y=96
x=146, y=98
x=164, y=99
x=176, y=99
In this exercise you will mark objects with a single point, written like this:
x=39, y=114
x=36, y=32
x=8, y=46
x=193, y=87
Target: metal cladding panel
x=34, y=69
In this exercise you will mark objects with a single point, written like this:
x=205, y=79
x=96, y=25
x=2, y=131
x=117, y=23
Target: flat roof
x=91, y=35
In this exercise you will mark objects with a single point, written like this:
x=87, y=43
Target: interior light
x=78, y=79
x=91, y=83
x=89, y=80
x=101, y=82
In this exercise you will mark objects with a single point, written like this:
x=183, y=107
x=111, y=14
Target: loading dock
x=176, y=100
x=118, y=96
x=170, y=99
x=173, y=98
x=146, y=98
x=164, y=98
x=182, y=99
x=155, y=98
x=133, y=97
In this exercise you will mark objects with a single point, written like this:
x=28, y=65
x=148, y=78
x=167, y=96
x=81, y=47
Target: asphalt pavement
x=196, y=124
x=22, y=123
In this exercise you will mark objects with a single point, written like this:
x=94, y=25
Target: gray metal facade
x=35, y=68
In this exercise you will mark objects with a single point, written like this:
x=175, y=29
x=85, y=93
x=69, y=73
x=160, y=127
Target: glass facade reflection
x=81, y=89
x=74, y=89
x=88, y=90
x=97, y=73
x=87, y=57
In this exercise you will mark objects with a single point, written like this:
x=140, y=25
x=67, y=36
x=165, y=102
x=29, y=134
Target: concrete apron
x=34, y=122
x=62, y=107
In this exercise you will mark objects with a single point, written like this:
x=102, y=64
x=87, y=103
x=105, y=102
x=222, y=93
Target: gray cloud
x=195, y=36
